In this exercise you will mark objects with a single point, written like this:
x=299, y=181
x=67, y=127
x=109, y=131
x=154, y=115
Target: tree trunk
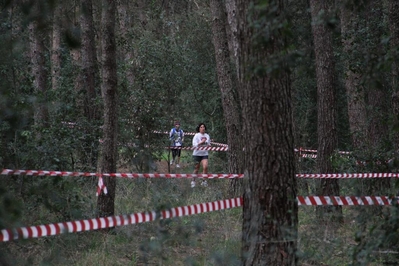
x=326, y=110
x=39, y=73
x=108, y=157
x=56, y=47
x=88, y=60
x=89, y=78
x=378, y=130
x=231, y=30
x=393, y=15
x=127, y=50
x=270, y=211
x=355, y=91
x=231, y=108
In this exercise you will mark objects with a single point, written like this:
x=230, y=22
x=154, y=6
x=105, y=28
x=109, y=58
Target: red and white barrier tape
x=122, y=175
x=209, y=176
x=113, y=221
x=302, y=150
x=219, y=144
x=342, y=201
x=199, y=148
x=101, y=186
x=166, y=132
x=349, y=175
x=307, y=155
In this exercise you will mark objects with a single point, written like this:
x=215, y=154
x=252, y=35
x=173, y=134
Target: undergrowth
x=204, y=239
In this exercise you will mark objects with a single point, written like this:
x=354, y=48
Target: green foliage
x=174, y=75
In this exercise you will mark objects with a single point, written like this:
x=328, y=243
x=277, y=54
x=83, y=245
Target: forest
x=300, y=99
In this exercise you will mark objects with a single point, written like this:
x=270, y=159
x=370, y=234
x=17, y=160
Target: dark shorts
x=198, y=159
x=176, y=152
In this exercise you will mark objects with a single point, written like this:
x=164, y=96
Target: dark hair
x=199, y=125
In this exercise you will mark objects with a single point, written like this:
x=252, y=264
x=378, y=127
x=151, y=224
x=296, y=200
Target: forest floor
x=205, y=239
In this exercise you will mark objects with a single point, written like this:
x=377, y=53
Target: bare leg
x=204, y=166
x=196, y=169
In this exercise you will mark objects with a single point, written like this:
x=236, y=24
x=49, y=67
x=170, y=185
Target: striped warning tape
x=113, y=221
x=208, y=148
x=302, y=150
x=350, y=175
x=122, y=175
x=210, y=176
x=307, y=155
x=348, y=200
x=219, y=144
x=166, y=132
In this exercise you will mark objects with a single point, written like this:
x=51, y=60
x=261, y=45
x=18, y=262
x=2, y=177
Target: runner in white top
x=201, y=139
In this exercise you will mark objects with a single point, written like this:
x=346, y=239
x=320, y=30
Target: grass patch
x=204, y=239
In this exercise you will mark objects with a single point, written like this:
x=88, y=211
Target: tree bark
x=393, y=18
x=326, y=110
x=231, y=108
x=270, y=211
x=355, y=91
x=56, y=47
x=39, y=73
x=88, y=61
x=378, y=130
x=231, y=30
x=108, y=157
x=89, y=79
x=393, y=15
x=127, y=50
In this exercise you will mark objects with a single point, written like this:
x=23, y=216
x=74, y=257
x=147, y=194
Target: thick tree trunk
x=270, y=209
x=231, y=30
x=231, y=109
x=108, y=157
x=326, y=110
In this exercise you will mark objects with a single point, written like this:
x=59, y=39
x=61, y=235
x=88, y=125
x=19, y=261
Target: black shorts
x=198, y=159
x=176, y=152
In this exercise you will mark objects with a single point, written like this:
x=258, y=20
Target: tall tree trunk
x=270, y=210
x=89, y=78
x=393, y=15
x=127, y=50
x=231, y=108
x=108, y=157
x=355, y=91
x=39, y=73
x=231, y=30
x=88, y=60
x=326, y=110
x=56, y=47
x=76, y=59
x=377, y=98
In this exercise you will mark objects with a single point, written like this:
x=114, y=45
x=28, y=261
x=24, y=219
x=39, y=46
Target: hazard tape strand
x=136, y=218
x=113, y=221
x=209, y=176
x=205, y=148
